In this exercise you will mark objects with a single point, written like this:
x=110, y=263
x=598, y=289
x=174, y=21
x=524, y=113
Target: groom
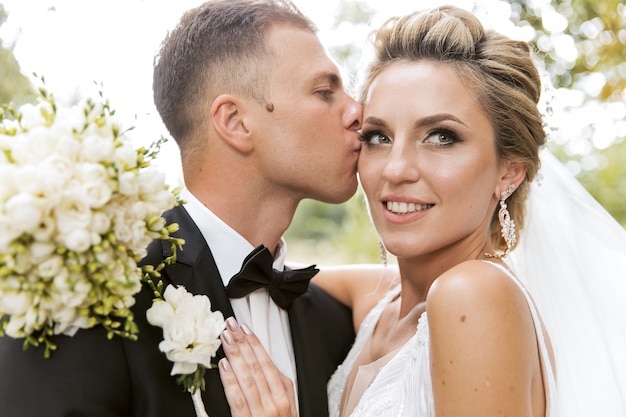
x=262, y=121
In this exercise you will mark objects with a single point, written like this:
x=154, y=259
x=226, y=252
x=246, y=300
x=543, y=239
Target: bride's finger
x=279, y=386
x=259, y=382
x=241, y=362
x=236, y=399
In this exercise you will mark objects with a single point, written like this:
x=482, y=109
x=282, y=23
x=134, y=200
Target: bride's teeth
x=402, y=208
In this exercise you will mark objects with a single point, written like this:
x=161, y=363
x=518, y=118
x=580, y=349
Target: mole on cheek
x=269, y=107
x=463, y=317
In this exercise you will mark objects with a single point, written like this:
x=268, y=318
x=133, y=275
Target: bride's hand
x=252, y=384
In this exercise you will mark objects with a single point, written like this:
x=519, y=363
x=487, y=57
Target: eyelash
x=326, y=94
x=367, y=137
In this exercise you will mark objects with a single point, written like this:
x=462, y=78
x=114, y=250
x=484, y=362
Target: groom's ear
x=228, y=118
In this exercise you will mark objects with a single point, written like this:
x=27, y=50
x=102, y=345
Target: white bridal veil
x=572, y=258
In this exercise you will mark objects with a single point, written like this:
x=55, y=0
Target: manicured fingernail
x=246, y=330
x=232, y=325
x=227, y=337
x=224, y=365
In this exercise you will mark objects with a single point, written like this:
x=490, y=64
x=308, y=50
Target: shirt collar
x=228, y=247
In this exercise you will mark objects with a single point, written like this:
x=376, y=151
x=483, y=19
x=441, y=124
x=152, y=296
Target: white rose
x=72, y=212
x=24, y=212
x=77, y=240
x=97, y=149
x=40, y=250
x=8, y=186
x=58, y=170
x=67, y=145
x=100, y=223
x=51, y=267
x=45, y=229
x=152, y=181
x=139, y=210
x=98, y=194
x=8, y=233
x=122, y=232
x=34, y=146
x=15, y=302
x=30, y=179
x=129, y=183
x=126, y=155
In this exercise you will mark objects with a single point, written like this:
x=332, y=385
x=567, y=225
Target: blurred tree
x=583, y=43
x=14, y=86
x=597, y=31
x=608, y=185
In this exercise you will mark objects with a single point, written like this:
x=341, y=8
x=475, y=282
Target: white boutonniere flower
x=190, y=336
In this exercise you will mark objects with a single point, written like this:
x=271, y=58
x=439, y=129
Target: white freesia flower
x=31, y=180
x=8, y=187
x=74, y=220
x=190, y=329
x=50, y=267
x=73, y=211
x=129, y=183
x=23, y=210
x=94, y=150
x=77, y=240
x=126, y=156
x=40, y=250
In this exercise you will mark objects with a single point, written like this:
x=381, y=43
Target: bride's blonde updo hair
x=500, y=70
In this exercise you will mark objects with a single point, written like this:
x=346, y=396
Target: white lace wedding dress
x=402, y=386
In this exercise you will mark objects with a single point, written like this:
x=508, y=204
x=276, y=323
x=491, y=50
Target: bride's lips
x=398, y=209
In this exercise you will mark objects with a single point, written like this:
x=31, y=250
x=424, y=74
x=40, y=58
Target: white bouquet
x=78, y=207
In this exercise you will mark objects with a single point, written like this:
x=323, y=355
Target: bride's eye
x=374, y=137
x=442, y=137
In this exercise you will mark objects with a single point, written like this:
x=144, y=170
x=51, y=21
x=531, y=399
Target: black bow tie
x=257, y=272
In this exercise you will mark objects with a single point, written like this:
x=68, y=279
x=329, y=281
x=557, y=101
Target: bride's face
x=428, y=164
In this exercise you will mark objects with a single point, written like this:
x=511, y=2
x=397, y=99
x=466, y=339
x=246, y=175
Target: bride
x=451, y=146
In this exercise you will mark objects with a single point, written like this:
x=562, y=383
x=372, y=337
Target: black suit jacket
x=90, y=376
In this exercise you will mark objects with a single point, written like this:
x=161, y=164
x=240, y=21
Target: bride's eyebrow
x=375, y=121
x=437, y=118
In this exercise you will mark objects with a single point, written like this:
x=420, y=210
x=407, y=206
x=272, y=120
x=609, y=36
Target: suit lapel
x=196, y=270
x=312, y=396
x=195, y=266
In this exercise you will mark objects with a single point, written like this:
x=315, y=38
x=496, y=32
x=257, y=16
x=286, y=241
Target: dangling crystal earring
x=383, y=252
x=507, y=224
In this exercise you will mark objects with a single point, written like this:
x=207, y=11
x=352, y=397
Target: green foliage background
x=14, y=86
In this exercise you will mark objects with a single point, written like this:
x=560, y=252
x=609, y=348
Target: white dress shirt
x=269, y=322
